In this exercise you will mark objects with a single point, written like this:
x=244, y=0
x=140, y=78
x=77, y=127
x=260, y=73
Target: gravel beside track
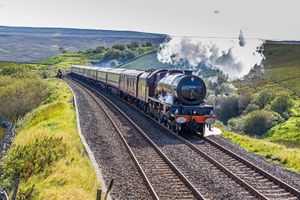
x=266, y=187
x=110, y=153
x=209, y=180
x=278, y=171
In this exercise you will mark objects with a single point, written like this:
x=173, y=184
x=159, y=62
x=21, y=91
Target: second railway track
x=255, y=183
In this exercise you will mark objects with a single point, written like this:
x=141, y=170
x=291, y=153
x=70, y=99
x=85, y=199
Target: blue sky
x=258, y=18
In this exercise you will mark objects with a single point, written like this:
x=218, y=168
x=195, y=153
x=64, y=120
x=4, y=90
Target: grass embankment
x=288, y=157
x=71, y=176
x=284, y=68
x=288, y=132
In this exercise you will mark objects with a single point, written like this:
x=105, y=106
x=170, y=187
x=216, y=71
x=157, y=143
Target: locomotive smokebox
x=188, y=89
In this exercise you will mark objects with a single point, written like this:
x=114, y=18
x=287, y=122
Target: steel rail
x=259, y=170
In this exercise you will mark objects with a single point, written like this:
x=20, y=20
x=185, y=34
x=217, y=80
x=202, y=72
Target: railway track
x=163, y=178
x=267, y=185
x=256, y=181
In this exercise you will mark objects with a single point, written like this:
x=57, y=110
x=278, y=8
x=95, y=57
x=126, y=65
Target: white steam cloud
x=234, y=57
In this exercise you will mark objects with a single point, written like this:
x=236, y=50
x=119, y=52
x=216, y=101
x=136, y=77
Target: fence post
x=16, y=187
x=99, y=194
x=109, y=188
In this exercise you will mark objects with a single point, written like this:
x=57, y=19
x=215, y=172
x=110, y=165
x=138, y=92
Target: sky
x=265, y=19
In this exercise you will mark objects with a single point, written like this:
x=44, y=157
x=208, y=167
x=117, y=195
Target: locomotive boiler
x=187, y=89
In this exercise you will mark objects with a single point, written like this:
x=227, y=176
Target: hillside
x=20, y=44
x=283, y=65
x=147, y=61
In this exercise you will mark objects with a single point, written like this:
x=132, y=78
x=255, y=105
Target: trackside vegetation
x=46, y=155
x=286, y=156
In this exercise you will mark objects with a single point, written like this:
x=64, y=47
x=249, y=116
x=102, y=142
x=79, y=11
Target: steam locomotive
x=173, y=97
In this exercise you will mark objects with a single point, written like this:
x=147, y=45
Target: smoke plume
x=234, y=57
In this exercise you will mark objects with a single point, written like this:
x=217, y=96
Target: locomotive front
x=187, y=109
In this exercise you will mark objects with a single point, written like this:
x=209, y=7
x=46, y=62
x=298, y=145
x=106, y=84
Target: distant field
x=283, y=65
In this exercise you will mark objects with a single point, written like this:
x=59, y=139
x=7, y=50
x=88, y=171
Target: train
x=173, y=97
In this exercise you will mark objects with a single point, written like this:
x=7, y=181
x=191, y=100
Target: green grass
x=73, y=176
x=288, y=132
x=64, y=61
x=287, y=157
x=284, y=65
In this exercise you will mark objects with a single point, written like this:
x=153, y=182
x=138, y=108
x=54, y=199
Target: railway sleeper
x=279, y=195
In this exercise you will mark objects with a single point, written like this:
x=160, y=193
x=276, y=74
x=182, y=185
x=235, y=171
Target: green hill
x=283, y=65
x=147, y=61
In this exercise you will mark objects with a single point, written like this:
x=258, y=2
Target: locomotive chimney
x=188, y=72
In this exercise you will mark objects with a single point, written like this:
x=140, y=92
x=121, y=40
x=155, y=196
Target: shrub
x=281, y=104
x=263, y=98
x=128, y=54
x=250, y=108
x=36, y=157
x=21, y=96
x=244, y=101
x=112, y=54
x=6, y=80
x=148, y=44
x=226, y=89
x=133, y=45
x=237, y=124
x=120, y=47
x=17, y=71
x=99, y=49
x=227, y=108
x=258, y=122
